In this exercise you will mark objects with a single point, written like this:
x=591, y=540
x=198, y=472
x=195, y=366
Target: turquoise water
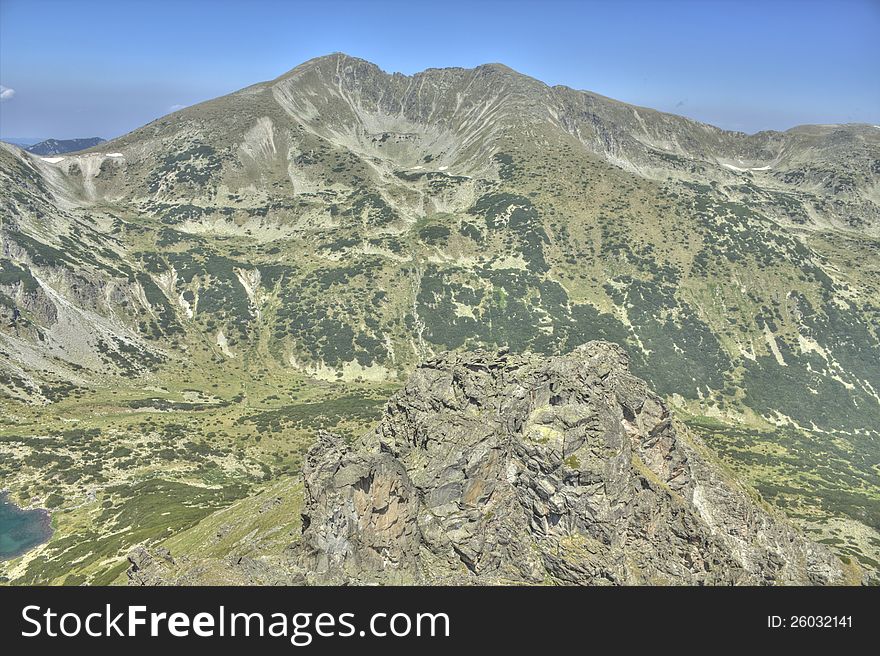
x=21, y=530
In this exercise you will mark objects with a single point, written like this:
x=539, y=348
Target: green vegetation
x=175, y=332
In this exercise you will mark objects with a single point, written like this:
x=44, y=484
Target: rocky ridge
x=501, y=468
x=497, y=468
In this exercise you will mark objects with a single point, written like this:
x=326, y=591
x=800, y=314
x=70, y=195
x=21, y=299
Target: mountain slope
x=338, y=225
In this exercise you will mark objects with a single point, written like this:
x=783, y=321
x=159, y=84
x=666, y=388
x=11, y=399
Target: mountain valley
x=184, y=309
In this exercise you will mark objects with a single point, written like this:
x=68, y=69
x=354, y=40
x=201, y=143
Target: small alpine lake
x=21, y=530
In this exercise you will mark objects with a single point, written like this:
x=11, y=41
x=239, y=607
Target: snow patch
x=52, y=160
x=743, y=170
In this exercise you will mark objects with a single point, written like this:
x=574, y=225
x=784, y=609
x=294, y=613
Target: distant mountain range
x=183, y=307
x=21, y=142
x=60, y=146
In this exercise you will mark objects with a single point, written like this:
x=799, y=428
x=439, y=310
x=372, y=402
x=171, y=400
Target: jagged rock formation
x=494, y=467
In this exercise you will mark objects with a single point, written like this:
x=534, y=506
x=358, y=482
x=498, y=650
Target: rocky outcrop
x=158, y=567
x=490, y=467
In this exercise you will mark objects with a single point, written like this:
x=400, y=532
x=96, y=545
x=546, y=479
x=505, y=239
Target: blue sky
x=73, y=68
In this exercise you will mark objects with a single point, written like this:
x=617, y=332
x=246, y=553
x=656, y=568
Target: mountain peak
x=339, y=60
x=498, y=68
x=60, y=146
x=332, y=61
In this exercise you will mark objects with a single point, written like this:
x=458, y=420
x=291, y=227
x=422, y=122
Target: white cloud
x=174, y=108
x=6, y=93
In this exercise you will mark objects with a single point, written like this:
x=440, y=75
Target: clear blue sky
x=81, y=68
